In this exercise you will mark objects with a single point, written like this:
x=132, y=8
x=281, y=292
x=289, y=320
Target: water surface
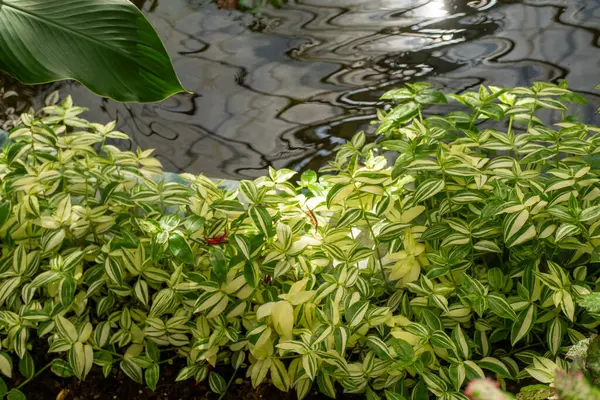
x=283, y=90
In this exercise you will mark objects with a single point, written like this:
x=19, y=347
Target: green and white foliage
x=467, y=256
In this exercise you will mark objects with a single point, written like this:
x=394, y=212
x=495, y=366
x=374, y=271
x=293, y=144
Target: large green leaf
x=107, y=45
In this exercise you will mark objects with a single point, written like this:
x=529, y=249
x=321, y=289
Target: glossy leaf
x=110, y=47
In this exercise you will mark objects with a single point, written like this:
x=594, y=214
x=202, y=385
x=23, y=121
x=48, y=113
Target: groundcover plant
x=452, y=246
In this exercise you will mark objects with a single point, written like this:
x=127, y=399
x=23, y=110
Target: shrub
x=580, y=383
x=466, y=255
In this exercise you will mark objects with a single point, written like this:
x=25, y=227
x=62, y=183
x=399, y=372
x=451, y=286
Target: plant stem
x=511, y=136
x=34, y=375
x=513, y=351
x=165, y=361
x=532, y=112
x=362, y=206
x=110, y=352
x=557, y=151
x=228, y=384
x=447, y=193
x=475, y=115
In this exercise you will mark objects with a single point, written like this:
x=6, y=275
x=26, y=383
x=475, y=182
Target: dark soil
x=117, y=386
x=48, y=386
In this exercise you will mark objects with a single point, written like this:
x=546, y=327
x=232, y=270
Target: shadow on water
x=285, y=88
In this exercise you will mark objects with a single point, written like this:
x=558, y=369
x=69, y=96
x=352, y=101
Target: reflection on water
x=284, y=90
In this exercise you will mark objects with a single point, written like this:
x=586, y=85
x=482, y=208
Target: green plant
x=9, y=109
x=568, y=386
x=109, y=46
x=573, y=385
x=468, y=255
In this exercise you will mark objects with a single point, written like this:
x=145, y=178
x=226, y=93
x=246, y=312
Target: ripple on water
x=285, y=90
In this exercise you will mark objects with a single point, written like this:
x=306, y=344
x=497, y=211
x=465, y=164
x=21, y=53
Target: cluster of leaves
x=579, y=383
x=8, y=114
x=466, y=256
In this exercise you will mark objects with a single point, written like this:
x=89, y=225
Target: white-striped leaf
x=217, y=383
x=180, y=248
x=525, y=321
x=259, y=371
x=428, y=188
x=66, y=329
x=7, y=287
x=45, y=278
x=131, y=369
x=6, y=364
x=462, y=342
x=391, y=232
x=27, y=293
x=249, y=191
x=20, y=260
x=238, y=359
x=141, y=291
x=555, y=334
x=207, y=301
x=310, y=365
x=26, y=365
x=379, y=347
x=500, y=307
x=455, y=239
x=66, y=291
x=495, y=365
x=325, y=384
x=243, y=244
x=102, y=333
x=473, y=370
x=350, y=217
x=262, y=220
x=152, y=374
x=279, y=375
x=20, y=341
x=371, y=177
x=61, y=368
x=457, y=374
x=76, y=357
x=340, y=336
x=442, y=340
x=52, y=240
x=560, y=184
x=338, y=192
x=333, y=358
x=156, y=275
x=302, y=386
x=566, y=231
x=356, y=313
x=516, y=228
x=487, y=246
x=187, y=372
x=393, y=396
x=434, y=383
x=163, y=301
x=113, y=269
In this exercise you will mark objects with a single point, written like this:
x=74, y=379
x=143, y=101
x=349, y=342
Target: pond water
x=284, y=89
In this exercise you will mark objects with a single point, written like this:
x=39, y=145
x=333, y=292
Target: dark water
x=286, y=89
